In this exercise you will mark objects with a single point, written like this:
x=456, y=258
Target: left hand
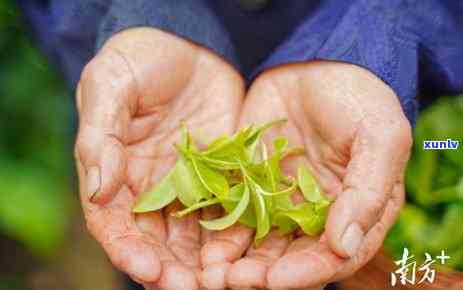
x=357, y=142
x=132, y=99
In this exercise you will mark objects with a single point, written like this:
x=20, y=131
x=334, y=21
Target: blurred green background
x=431, y=220
x=43, y=242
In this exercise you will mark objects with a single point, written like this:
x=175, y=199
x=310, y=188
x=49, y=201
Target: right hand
x=357, y=141
x=132, y=97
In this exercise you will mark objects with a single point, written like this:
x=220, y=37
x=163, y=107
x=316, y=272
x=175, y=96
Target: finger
x=251, y=271
x=302, y=244
x=306, y=264
x=153, y=225
x=114, y=228
x=106, y=101
x=209, y=213
x=374, y=238
x=377, y=163
x=184, y=235
x=217, y=255
x=309, y=263
x=175, y=274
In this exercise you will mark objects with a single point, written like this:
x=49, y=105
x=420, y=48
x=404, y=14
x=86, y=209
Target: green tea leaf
x=231, y=218
x=235, y=194
x=285, y=224
x=233, y=177
x=280, y=144
x=212, y=180
x=228, y=147
x=232, y=171
x=271, y=169
x=309, y=187
x=283, y=202
x=158, y=197
x=196, y=206
x=187, y=184
x=262, y=216
x=270, y=166
x=286, y=191
x=248, y=217
x=219, y=163
x=186, y=142
x=218, y=143
x=253, y=139
x=310, y=220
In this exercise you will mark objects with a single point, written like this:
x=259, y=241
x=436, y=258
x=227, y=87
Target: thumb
x=105, y=101
x=377, y=163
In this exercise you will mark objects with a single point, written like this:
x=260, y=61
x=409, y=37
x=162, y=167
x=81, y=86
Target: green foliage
x=8, y=282
x=240, y=174
x=35, y=143
x=430, y=221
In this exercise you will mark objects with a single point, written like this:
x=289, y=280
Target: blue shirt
x=415, y=46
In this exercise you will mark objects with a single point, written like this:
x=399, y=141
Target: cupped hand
x=357, y=142
x=132, y=98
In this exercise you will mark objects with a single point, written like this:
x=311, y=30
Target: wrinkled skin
x=132, y=99
x=357, y=142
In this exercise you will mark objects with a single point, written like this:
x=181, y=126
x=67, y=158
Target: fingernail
x=93, y=181
x=352, y=239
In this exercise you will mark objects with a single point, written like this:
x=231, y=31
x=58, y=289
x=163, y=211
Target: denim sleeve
x=415, y=46
x=65, y=31
x=192, y=20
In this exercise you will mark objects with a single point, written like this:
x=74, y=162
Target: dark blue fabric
x=415, y=46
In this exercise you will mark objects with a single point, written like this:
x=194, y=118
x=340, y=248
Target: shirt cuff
x=176, y=17
x=361, y=33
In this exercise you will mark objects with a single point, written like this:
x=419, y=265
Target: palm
x=326, y=153
x=207, y=104
x=187, y=85
x=330, y=122
x=150, y=157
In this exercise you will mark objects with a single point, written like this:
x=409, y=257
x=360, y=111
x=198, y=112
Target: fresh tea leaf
x=218, y=144
x=285, y=224
x=251, y=188
x=196, y=206
x=231, y=218
x=283, y=202
x=158, y=197
x=286, y=191
x=270, y=166
x=219, y=163
x=228, y=147
x=211, y=179
x=187, y=184
x=262, y=216
x=253, y=139
x=310, y=220
x=248, y=217
x=280, y=144
x=308, y=185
